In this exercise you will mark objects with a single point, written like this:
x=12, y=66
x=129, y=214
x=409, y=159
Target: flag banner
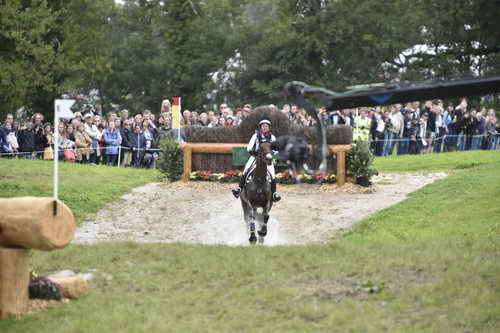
x=176, y=112
x=63, y=108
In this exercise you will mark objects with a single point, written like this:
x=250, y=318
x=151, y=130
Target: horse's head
x=265, y=152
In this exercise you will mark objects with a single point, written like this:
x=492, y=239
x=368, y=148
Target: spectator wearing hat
x=124, y=115
x=83, y=144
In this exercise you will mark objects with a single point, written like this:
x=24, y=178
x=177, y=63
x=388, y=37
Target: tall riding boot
x=237, y=192
x=276, y=196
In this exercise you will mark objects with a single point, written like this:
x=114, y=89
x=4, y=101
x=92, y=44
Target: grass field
x=430, y=263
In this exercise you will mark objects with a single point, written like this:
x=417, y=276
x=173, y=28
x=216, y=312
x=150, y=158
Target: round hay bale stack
x=281, y=125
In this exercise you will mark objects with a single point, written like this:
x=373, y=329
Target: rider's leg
x=237, y=192
x=276, y=196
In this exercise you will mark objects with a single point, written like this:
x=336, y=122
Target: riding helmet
x=264, y=120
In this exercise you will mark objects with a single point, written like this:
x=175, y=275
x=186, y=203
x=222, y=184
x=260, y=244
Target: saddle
x=249, y=175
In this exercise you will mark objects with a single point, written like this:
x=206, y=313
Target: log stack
x=28, y=223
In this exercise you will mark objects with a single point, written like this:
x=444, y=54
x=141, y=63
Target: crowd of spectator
x=119, y=138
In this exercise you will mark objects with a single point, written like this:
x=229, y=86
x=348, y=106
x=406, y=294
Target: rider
x=262, y=134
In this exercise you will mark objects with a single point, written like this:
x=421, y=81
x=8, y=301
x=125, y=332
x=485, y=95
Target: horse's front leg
x=252, y=214
x=263, y=229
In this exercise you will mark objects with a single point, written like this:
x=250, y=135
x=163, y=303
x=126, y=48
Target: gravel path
x=207, y=213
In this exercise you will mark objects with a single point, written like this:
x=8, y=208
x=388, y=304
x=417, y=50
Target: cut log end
x=30, y=223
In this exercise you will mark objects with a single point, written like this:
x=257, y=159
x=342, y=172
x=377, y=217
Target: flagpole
x=65, y=113
x=56, y=151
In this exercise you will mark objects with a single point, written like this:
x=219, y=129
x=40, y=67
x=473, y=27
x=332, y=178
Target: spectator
x=112, y=140
x=9, y=141
x=94, y=134
x=378, y=126
x=395, y=132
x=404, y=144
x=126, y=147
x=362, y=126
x=48, y=142
x=124, y=115
x=9, y=118
x=152, y=139
x=138, y=143
x=26, y=139
x=479, y=131
x=83, y=143
x=415, y=144
x=491, y=131
x=439, y=126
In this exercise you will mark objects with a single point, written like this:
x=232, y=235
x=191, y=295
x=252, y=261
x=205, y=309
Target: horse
x=256, y=196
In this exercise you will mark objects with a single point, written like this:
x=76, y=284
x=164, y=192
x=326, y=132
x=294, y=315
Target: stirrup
x=236, y=192
x=276, y=197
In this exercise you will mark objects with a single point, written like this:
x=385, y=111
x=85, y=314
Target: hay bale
x=212, y=134
x=281, y=124
x=335, y=135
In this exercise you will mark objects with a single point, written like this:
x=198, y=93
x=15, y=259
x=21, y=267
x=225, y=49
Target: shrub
x=170, y=161
x=359, y=161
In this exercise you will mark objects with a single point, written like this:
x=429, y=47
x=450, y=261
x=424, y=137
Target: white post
x=56, y=150
x=119, y=154
x=65, y=112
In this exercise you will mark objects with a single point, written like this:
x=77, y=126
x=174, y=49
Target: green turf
x=431, y=162
x=84, y=188
x=428, y=264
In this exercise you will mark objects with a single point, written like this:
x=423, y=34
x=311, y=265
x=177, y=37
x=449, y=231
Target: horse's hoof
x=261, y=240
x=263, y=231
x=253, y=238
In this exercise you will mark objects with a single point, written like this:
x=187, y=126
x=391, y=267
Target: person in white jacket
x=262, y=134
x=94, y=134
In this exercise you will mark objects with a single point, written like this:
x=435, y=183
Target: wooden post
x=341, y=167
x=14, y=281
x=187, y=157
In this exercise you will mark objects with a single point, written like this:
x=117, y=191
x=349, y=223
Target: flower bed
x=285, y=177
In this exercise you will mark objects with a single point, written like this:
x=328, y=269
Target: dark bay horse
x=256, y=196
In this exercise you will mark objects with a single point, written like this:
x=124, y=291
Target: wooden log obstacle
x=28, y=223
x=228, y=148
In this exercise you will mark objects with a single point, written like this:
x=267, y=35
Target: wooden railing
x=227, y=148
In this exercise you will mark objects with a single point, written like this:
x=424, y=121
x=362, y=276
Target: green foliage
x=359, y=161
x=170, y=162
x=237, y=51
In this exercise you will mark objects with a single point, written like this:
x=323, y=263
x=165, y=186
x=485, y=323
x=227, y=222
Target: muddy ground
x=207, y=213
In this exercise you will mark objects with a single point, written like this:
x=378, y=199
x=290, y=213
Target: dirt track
x=207, y=213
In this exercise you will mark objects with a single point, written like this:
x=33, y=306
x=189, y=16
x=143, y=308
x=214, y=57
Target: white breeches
x=251, y=164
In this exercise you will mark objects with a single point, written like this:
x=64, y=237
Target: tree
x=29, y=53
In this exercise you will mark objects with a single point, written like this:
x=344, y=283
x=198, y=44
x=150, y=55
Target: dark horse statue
x=256, y=196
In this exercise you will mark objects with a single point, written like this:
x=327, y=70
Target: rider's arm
x=252, y=145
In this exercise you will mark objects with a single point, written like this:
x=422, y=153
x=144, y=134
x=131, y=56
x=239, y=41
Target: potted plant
x=360, y=159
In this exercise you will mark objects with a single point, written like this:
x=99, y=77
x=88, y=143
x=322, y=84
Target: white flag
x=63, y=108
